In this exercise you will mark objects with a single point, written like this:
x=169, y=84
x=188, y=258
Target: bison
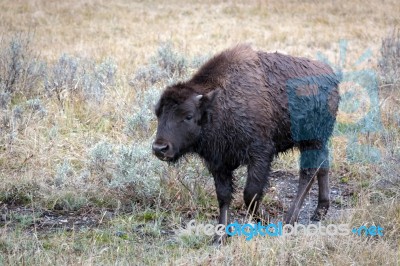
x=244, y=107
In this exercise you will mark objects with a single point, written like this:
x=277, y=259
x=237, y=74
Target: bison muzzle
x=244, y=107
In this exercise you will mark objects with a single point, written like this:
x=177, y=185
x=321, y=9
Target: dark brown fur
x=250, y=106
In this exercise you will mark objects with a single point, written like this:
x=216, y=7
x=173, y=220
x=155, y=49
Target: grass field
x=78, y=81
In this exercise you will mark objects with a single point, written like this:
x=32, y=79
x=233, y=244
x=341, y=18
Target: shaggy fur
x=243, y=107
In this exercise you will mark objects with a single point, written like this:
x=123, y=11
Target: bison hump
x=216, y=71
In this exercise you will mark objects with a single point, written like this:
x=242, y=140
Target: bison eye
x=188, y=117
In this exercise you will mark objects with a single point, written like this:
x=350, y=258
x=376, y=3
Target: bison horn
x=198, y=97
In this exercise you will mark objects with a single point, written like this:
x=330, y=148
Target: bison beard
x=243, y=107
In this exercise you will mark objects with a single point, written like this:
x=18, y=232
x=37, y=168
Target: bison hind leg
x=323, y=195
x=314, y=163
x=257, y=182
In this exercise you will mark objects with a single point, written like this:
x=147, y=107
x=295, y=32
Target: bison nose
x=160, y=148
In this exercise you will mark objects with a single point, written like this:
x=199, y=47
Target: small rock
x=120, y=234
x=108, y=215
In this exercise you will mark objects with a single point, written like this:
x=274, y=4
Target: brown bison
x=244, y=107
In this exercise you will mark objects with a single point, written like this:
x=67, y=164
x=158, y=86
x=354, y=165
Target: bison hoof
x=319, y=214
x=290, y=219
x=219, y=240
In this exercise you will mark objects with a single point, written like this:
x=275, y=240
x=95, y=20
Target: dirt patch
x=286, y=189
x=45, y=220
x=282, y=191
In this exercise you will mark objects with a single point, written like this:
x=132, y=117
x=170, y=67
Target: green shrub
x=121, y=166
x=389, y=62
x=21, y=71
x=166, y=66
x=72, y=76
x=143, y=113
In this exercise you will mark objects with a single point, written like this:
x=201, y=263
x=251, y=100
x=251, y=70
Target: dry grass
x=130, y=33
x=128, y=30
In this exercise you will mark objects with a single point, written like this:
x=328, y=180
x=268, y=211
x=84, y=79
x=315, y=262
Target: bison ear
x=204, y=101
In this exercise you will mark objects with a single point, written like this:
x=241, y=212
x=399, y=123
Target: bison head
x=181, y=113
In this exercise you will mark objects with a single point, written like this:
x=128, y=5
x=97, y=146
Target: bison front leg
x=224, y=188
